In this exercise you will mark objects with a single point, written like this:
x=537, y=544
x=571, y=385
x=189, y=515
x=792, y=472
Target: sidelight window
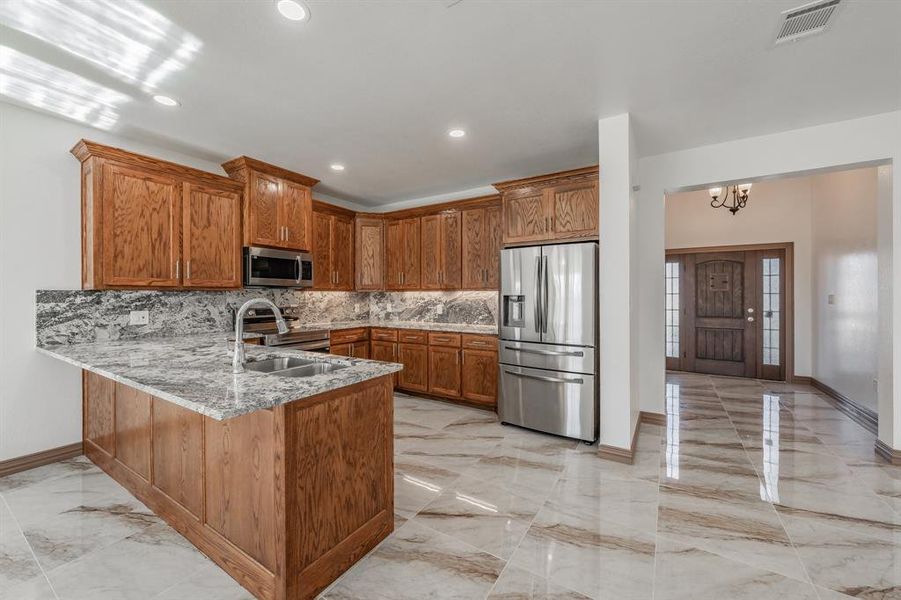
x=672, y=310
x=772, y=315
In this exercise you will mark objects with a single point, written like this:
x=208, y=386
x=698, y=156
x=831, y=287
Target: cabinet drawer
x=452, y=340
x=479, y=342
x=384, y=335
x=412, y=336
x=346, y=336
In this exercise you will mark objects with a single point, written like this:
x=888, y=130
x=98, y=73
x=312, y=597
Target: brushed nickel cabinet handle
x=177, y=268
x=188, y=270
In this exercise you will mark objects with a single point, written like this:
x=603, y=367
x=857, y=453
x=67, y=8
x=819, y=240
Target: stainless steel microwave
x=266, y=267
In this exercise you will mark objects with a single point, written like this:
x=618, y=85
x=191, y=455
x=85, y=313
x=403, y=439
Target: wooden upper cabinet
x=440, y=251
x=333, y=246
x=481, y=248
x=369, y=255
x=402, y=249
x=550, y=207
x=144, y=220
x=394, y=254
x=278, y=210
x=411, y=265
x=211, y=231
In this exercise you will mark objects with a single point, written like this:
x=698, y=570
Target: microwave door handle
x=299, y=268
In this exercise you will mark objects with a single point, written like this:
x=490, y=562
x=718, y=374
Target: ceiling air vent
x=806, y=20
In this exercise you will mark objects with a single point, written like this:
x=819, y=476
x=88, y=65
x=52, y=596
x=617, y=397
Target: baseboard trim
x=888, y=453
x=652, y=418
x=39, y=459
x=803, y=379
x=864, y=417
x=621, y=455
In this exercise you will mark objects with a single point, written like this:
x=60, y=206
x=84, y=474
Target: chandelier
x=739, y=193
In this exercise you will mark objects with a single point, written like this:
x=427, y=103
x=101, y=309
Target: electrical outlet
x=388, y=306
x=441, y=308
x=356, y=308
x=830, y=299
x=139, y=317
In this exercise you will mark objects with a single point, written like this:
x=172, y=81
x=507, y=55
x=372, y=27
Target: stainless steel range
x=548, y=339
x=262, y=320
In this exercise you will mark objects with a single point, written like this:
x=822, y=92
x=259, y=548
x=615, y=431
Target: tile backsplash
x=77, y=316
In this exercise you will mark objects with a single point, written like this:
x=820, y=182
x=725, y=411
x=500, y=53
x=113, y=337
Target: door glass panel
x=772, y=316
x=672, y=310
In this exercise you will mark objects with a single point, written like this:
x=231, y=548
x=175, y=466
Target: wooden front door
x=726, y=312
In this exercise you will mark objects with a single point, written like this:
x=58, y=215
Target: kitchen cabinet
x=369, y=254
x=360, y=350
x=550, y=207
x=350, y=342
x=481, y=248
x=415, y=359
x=479, y=374
x=148, y=223
x=332, y=250
x=440, y=247
x=444, y=371
x=278, y=204
x=402, y=248
x=383, y=350
x=341, y=349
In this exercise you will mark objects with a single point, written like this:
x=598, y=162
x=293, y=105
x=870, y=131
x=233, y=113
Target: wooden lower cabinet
x=360, y=349
x=444, y=371
x=415, y=359
x=284, y=499
x=479, y=374
x=341, y=349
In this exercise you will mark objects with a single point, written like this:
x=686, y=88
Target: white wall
x=778, y=211
x=852, y=142
x=40, y=247
x=845, y=268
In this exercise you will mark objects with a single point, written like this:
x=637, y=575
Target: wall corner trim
x=887, y=452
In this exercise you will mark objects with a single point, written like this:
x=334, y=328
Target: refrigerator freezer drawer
x=550, y=401
x=578, y=359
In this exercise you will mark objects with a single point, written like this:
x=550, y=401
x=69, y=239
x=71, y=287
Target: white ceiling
x=376, y=85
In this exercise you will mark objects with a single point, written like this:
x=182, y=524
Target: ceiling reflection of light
x=423, y=484
x=477, y=503
x=673, y=398
x=129, y=40
x=769, y=487
x=44, y=86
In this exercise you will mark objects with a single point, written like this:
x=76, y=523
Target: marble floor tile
x=208, y=583
x=418, y=562
x=417, y=483
x=684, y=572
x=600, y=559
x=632, y=503
x=525, y=473
x=18, y=564
x=517, y=584
x=482, y=514
x=36, y=588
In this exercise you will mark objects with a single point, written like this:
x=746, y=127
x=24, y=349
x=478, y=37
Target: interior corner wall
x=778, y=211
x=40, y=247
x=872, y=139
x=845, y=275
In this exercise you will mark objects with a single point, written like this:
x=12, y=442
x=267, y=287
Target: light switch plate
x=830, y=298
x=139, y=317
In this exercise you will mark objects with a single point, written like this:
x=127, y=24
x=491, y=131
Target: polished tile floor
x=752, y=490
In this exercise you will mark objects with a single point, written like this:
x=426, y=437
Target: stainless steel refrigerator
x=548, y=339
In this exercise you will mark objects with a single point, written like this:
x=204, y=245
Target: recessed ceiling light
x=456, y=133
x=166, y=100
x=337, y=167
x=293, y=10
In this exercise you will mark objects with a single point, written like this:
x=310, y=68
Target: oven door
x=265, y=267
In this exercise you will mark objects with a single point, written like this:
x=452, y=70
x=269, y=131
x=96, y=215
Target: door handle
x=544, y=352
x=537, y=294
x=750, y=319
x=297, y=268
x=177, y=268
x=544, y=299
x=545, y=378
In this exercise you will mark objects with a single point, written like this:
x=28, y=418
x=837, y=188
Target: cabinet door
x=526, y=217
x=411, y=271
x=263, y=209
x=431, y=252
x=415, y=359
x=574, y=209
x=141, y=228
x=394, y=254
x=360, y=349
x=451, y=250
x=384, y=351
x=343, y=252
x=341, y=349
x=212, y=237
x=323, y=271
x=480, y=376
x=370, y=254
x=444, y=371
x=474, y=249
x=133, y=429
x=296, y=215
x=492, y=256
x=99, y=407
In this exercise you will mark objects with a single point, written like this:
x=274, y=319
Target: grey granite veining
x=195, y=372
x=424, y=325
x=80, y=316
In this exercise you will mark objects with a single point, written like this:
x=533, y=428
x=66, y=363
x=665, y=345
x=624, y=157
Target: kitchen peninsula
x=284, y=482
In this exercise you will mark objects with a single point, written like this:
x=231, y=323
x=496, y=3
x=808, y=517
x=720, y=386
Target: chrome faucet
x=238, y=361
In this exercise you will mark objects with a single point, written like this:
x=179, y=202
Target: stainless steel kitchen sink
x=316, y=368
x=276, y=364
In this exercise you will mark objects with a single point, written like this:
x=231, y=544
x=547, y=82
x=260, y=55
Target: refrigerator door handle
x=544, y=352
x=544, y=299
x=578, y=380
x=538, y=294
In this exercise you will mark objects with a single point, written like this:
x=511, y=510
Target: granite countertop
x=196, y=372
x=424, y=325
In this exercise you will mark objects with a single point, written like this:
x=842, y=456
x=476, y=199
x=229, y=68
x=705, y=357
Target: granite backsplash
x=78, y=316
